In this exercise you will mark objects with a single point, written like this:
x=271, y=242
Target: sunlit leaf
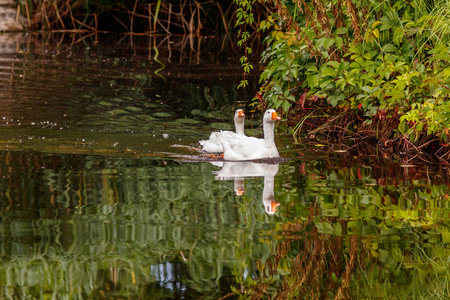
x=341, y=30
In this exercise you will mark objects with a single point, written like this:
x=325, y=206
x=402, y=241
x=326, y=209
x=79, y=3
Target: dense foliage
x=385, y=63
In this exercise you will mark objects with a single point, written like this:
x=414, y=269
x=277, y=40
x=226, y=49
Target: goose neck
x=269, y=133
x=239, y=125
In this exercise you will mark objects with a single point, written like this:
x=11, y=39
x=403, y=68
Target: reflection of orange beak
x=241, y=114
x=273, y=205
x=275, y=116
x=240, y=192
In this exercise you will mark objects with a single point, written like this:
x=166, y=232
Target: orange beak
x=273, y=205
x=241, y=114
x=275, y=116
x=240, y=192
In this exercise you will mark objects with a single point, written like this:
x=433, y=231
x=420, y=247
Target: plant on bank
x=378, y=59
x=244, y=18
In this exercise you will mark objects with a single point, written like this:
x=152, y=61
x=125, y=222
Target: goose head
x=271, y=116
x=239, y=114
x=239, y=118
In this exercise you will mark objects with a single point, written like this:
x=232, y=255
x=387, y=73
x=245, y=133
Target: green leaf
x=328, y=71
x=313, y=68
x=328, y=43
x=398, y=35
x=319, y=42
x=294, y=72
x=327, y=84
x=341, y=83
x=334, y=100
x=403, y=127
x=276, y=101
x=286, y=105
x=389, y=48
x=367, y=56
x=413, y=137
x=375, y=24
x=334, y=277
x=341, y=30
x=343, y=66
x=338, y=41
x=366, y=89
x=334, y=64
x=264, y=76
x=279, y=35
x=262, y=25
x=419, y=126
x=313, y=81
x=446, y=72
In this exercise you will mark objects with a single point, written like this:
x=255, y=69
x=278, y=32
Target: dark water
x=103, y=194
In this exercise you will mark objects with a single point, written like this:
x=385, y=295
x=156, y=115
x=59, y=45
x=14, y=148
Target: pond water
x=104, y=193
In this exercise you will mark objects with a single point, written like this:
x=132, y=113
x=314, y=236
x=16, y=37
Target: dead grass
x=193, y=17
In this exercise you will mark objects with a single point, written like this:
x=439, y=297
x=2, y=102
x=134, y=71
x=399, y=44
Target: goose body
x=214, y=143
x=241, y=147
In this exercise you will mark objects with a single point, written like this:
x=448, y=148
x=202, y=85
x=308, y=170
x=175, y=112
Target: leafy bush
x=379, y=59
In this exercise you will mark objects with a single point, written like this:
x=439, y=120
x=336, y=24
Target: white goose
x=214, y=143
x=241, y=147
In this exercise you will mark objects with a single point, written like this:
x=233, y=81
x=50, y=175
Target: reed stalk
x=196, y=17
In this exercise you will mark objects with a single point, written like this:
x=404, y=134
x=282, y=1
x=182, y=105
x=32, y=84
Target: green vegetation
x=377, y=69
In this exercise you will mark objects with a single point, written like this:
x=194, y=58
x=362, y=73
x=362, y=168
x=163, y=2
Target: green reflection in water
x=77, y=226
x=350, y=234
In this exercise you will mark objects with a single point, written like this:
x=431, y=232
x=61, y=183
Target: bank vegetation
x=373, y=71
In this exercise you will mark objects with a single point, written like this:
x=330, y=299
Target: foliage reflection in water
x=82, y=225
x=97, y=203
x=349, y=233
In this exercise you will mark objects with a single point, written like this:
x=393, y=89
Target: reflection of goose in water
x=239, y=188
x=270, y=205
x=237, y=171
x=214, y=143
x=232, y=169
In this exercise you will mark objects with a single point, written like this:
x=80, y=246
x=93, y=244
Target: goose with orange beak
x=214, y=143
x=241, y=147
